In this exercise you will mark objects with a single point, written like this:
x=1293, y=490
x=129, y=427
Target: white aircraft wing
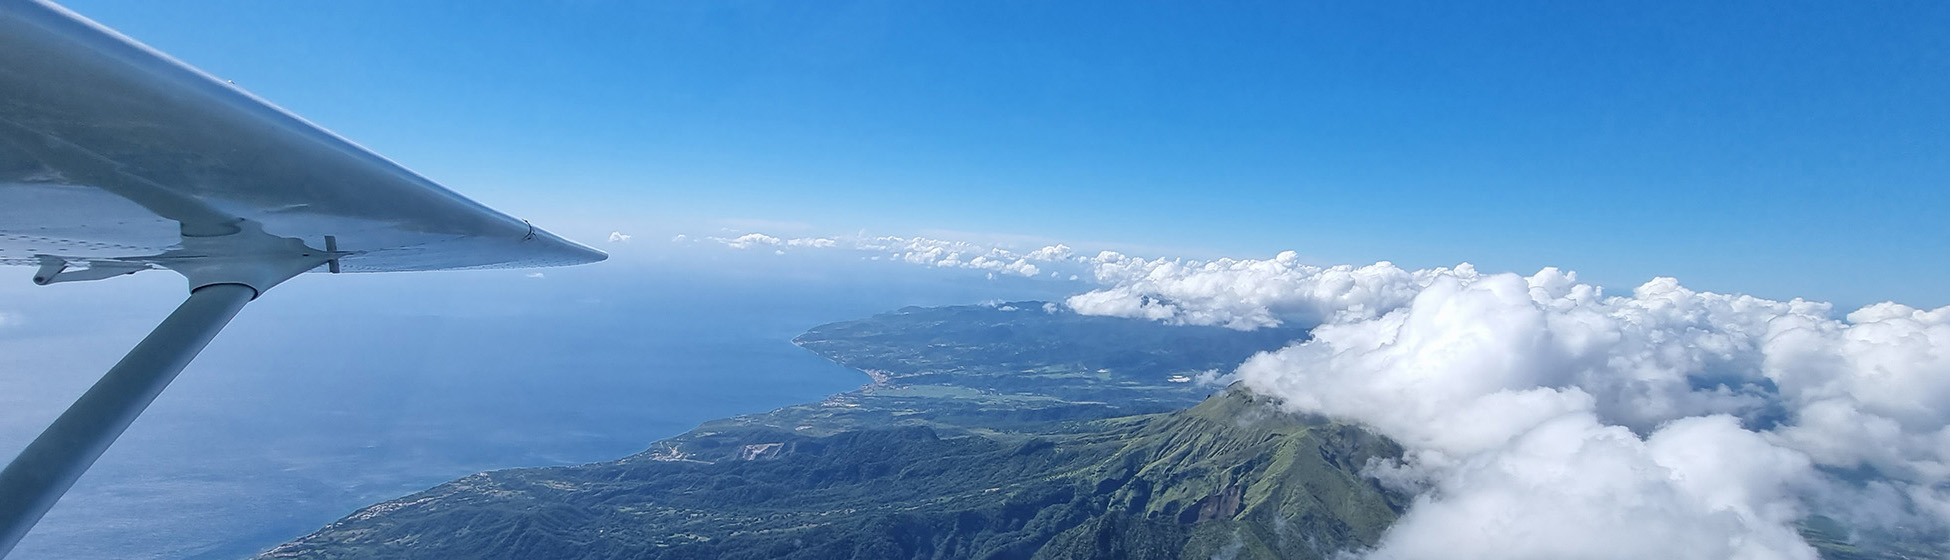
x=115, y=159
x=111, y=153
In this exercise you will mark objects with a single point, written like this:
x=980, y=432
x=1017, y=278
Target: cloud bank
x=1545, y=418
x=1249, y=294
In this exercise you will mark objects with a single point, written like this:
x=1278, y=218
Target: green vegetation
x=1195, y=482
x=991, y=432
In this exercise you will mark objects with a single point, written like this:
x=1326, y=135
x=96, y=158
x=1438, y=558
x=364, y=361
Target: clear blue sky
x=1776, y=148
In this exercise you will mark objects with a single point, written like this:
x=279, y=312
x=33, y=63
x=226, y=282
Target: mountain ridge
x=1016, y=430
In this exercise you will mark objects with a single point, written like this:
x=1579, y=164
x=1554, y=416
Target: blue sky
x=1777, y=148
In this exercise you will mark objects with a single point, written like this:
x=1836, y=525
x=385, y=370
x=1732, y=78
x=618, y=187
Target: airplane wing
x=115, y=159
x=110, y=150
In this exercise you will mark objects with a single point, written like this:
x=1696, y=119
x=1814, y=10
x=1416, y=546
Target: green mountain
x=1230, y=474
x=1011, y=431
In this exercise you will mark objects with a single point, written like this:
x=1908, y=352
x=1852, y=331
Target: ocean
x=333, y=393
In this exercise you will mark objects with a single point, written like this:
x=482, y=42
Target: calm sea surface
x=330, y=394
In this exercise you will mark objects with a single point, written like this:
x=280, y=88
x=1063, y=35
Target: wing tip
x=571, y=253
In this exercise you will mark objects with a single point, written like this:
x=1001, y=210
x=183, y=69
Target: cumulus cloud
x=1547, y=420
x=1571, y=487
x=618, y=237
x=748, y=241
x=1249, y=293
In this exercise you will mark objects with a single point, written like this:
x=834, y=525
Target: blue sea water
x=330, y=394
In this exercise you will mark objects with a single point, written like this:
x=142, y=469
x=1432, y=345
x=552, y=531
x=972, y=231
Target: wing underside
x=113, y=154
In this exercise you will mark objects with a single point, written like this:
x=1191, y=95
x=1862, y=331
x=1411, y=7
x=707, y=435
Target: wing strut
x=49, y=466
x=104, y=140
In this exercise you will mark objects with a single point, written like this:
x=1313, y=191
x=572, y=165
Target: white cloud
x=618, y=237
x=1571, y=487
x=810, y=242
x=536, y=275
x=1540, y=414
x=748, y=241
x=1248, y=294
x=923, y=251
x=1057, y=252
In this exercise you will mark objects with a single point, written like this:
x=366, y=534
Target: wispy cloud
x=919, y=250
